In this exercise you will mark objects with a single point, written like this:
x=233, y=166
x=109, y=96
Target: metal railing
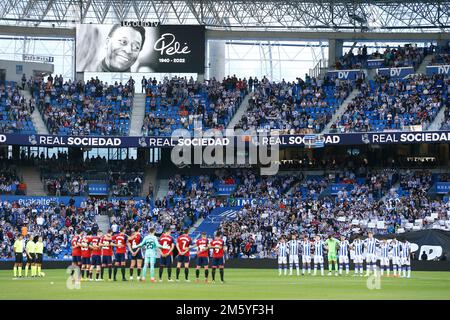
x=316, y=71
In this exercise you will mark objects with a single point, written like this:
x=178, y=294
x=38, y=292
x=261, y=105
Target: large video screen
x=117, y=48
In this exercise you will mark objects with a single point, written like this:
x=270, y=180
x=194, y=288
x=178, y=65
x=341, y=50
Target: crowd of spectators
x=394, y=197
x=72, y=178
x=393, y=57
x=305, y=106
x=394, y=104
x=15, y=110
x=10, y=181
x=257, y=228
x=190, y=187
x=84, y=108
x=178, y=102
x=55, y=222
x=251, y=185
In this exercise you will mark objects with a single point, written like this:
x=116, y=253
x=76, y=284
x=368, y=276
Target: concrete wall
x=15, y=69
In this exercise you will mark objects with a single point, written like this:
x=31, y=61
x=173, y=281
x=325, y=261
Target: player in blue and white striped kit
x=384, y=256
x=306, y=255
x=319, y=246
x=358, y=247
x=344, y=245
x=293, y=249
x=396, y=256
x=282, y=252
x=371, y=244
x=406, y=259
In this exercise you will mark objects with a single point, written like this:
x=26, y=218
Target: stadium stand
x=303, y=107
x=178, y=102
x=15, y=111
x=406, y=56
x=78, y=108
x=386, y=104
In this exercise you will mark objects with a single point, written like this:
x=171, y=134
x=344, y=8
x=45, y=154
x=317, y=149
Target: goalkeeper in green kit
x=151, y=245
x=331, y=244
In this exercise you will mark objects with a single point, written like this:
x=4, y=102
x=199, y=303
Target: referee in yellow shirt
x=18, y=251
x=39, y=253
x=30, y=250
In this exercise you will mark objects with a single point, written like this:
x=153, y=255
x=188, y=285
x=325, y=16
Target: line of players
x=96, y=251
x=370, y=250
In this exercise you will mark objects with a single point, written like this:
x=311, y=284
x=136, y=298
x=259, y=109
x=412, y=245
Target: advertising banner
x=443, y=69
x=377, y=138
x=344, y=74
x=42, y=200
x=396, y=73
x=98, y=189
x=374, y=63
x=442, y=187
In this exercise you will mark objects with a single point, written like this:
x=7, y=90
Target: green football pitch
x=239, y=284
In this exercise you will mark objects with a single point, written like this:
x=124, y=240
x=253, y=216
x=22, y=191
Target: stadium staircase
x=36, y=117
x=102, y=222
x=193, y=229
x=422, y=69
x=150, y=177
x=213, y=220
x=162, y=188
x=137, y=115
x=32, y=179
x=240, y=112
x=341, y=110
x=437, y=123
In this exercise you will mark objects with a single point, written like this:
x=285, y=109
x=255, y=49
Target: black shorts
x=39, y=258
x=76, y=259
x=85, y=261
x=216, y=262
x=107, y=260
x=183, y=259
x=19, y=257
x=32, y=258
x=165, y=261
x=136, y=257
x=96, y=260
x=120, y=257
x=202, y=261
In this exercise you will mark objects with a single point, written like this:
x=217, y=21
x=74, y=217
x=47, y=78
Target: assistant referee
x=18, y=251
x=30, y=250
x=39, y=249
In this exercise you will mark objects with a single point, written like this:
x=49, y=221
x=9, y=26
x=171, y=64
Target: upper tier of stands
x=81, y=109
x=15, y=111
x=178, y=103
x=386, y=104
x=302, y=107
x=400, y=56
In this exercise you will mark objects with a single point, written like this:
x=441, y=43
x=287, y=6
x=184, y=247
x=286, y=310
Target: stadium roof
x=312, y=15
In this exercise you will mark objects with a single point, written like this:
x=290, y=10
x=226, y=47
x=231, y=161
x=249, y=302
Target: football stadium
x=224, y=150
